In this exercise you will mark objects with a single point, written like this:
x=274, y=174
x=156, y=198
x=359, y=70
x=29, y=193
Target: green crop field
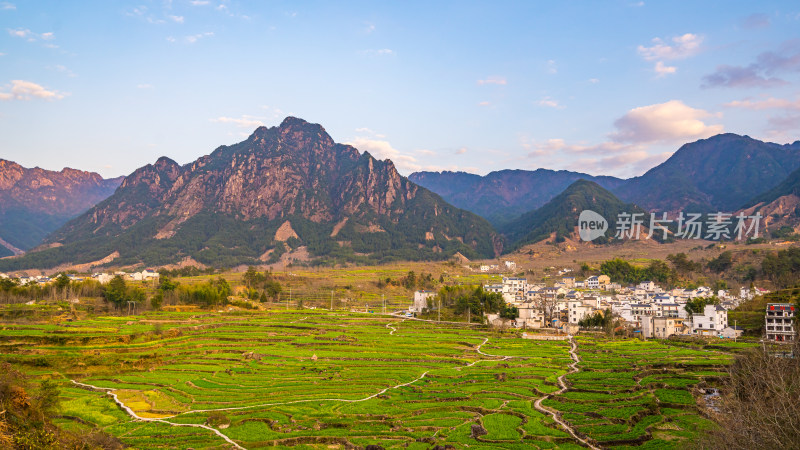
x=316, y=379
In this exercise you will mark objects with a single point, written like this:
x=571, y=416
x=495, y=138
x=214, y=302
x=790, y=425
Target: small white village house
x=711, y=323
x=421, y=299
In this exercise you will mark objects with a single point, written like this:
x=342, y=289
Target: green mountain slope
x=560, y=215
x=789, y=186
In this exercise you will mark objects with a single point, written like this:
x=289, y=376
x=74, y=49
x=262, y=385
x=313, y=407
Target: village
x=100, y=277
x=646, y=308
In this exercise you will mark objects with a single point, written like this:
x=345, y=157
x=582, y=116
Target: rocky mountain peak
x=285, y=185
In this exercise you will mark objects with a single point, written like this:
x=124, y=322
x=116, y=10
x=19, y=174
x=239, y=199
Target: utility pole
x=440, y=311
x=383, y=302
x=289, y=299
x=331, y=300
x=469, y=311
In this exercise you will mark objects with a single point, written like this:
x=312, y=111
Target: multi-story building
x=661, y=327
x=421, y=300
x=779, y=322
x=711, y=323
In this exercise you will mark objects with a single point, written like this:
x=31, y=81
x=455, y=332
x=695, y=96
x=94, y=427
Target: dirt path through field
x=573, y=368
x=130, y=412
x=110, y=391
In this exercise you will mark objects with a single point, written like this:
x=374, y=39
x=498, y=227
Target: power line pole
x=383, y=302
x=439, y=319
x=331, y=300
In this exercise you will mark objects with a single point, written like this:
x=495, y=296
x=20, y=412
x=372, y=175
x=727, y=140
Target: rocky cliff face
x=34, y=202
x=227, y=207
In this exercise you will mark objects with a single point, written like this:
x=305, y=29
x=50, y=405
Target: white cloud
x=461, y=151
x=630, y=150
x=484, y=103
x=664, y=122
x=661, y=69
x=493, y=80
x=63, y=69
x=144, y=86
x=199, y=2
x=19, y=32
x=378, y=52
x=191, y=39
x=369, y=28
x=6, y=6
x=176, y=19
x=767, y=103
x=30, y=36
x=245, y=121
x=550, y=103
x=28, y=90
x=680, y=47
x=367, y=131
x=382, y=149
x=426, y=152
x=594, y=80
x=551, y=67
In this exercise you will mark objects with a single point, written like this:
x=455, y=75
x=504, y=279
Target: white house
x=732, y=332
x=514, y=286
x=577, y=311
x=711, y=323
x=510, y=265
x=421, y=300
x=597, y=281
x=661, y=327
x=647, y=285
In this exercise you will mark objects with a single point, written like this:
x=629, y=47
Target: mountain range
x=721, y=173
x=502, y=196
x=291, y=192
x=35, y=202
x=285, y=189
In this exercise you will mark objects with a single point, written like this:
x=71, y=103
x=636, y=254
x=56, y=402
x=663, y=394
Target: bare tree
x=547, y=306
x=760, y=405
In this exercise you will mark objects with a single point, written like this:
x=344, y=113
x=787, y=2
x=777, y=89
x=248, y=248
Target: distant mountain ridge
x=504, y=195
x=558, y=218
x=789, y=186
x=289, y=188
x=721, y=173
x=35, y=202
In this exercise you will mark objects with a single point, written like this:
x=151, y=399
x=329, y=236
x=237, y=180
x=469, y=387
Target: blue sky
x=604, y=87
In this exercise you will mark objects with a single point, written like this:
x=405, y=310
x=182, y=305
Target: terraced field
x=312, y=379
x=632, y=392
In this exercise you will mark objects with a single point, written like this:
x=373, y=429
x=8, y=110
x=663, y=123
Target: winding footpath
x=110, y=392
x=130, y=412
x=538, y=404
x=573, y=368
